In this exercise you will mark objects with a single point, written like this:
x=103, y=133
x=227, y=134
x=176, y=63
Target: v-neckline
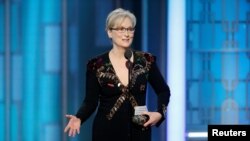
x=113, y=69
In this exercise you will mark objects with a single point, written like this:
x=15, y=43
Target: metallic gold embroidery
x=121, y=100
x=132, y=101
x=117, y=105
x=164, y=109
x=142, y=87
x=104, y=71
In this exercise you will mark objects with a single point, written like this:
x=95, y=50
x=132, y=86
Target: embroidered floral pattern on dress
x=142, y=65
x=164, y=109
x=142, y=87
x=125, y=95
x=105, y=71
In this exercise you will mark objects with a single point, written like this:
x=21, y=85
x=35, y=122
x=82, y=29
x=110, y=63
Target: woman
x=121, y=114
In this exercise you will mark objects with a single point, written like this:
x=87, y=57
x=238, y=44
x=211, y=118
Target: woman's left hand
x=154, y=117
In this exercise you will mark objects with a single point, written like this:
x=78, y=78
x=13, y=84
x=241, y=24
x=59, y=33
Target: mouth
x=126, y=40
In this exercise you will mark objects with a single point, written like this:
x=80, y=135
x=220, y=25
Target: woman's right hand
x=73, y=125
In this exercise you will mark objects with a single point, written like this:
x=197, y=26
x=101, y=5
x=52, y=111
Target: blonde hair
x=117, y=16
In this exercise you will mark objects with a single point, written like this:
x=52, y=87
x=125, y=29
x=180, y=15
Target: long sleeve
x=90, y=101
x=161, y=88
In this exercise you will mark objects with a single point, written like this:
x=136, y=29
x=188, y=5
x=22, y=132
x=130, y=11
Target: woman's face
x=122, y=35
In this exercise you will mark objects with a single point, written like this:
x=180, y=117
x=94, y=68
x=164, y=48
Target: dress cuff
x=162, y=111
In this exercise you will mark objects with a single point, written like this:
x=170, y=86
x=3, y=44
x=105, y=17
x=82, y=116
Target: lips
x=126, y=40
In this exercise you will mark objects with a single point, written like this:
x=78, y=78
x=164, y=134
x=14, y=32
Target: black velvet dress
x=115, y=106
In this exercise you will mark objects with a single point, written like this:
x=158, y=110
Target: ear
x=109, y=33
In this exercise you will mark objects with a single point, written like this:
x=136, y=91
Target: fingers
x=78, y=130
x=72, y=127
x=148, y=123
x=69, y=116
x=154, y=117
x=151, y=121
x=73, y=132
x=66, y=129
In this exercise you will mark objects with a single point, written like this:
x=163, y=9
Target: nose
x=126, y=32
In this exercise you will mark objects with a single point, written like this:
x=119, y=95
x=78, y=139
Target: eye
x=123, y=29
x=131, y=29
